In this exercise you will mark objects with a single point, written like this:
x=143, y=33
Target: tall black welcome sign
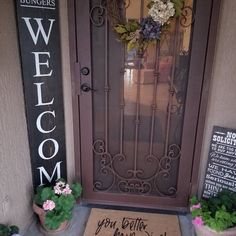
x=38, y=26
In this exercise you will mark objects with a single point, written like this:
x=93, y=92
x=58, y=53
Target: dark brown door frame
x=210, y=51
x=207, y=25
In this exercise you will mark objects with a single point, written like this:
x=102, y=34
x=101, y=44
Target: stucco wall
x=15, y=169
x=67, y=90
x=222, y=97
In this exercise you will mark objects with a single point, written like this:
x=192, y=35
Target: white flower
x=161, y=11
x=58, y=188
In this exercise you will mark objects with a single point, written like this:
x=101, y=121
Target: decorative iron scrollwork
x=98, y=14
x=187, y=16
x=133, y=181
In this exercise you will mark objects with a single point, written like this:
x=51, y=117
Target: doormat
x=103, y=222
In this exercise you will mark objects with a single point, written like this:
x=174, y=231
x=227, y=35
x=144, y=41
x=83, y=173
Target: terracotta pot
x=41, y=214
x=206, y=231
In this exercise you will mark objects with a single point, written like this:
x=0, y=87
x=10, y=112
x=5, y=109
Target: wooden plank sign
x=221, y=167
x=38, y=28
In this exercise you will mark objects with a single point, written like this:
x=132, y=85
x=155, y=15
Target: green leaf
x=76, y=190
x=14, y=229
x=4, y=230
x=47, y=193
x=52, y=221
x=37, y=198
x=124, y=37
x=221, y=220
x=194, y=200
x=196, y=212
x=129, y=37
x=131, y=45
x=66, y=202
x=178, y=5
x=120, y=29
x=132, y=26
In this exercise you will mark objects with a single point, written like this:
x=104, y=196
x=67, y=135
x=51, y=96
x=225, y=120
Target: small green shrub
x=8, y=230
x=58, y=202
x=219, y=212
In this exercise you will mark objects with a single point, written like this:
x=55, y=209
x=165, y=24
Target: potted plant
x=6, y=230
x=216, y=215
x=54, y=204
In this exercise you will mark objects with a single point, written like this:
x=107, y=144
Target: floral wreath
x=138, y=35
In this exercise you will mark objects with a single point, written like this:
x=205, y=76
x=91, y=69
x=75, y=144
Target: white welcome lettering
x=38, y=64
x=42, y=172
x=39, y=125
x=56, y=149
x=39, y=96
x=39, y=30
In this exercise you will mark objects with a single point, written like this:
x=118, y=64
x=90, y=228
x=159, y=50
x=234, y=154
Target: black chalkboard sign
x=221, y=167
x=39, y=36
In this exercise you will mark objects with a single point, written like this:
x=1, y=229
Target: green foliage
x=219, y=212
x=14, y=229
x=4, y=230
x=178, y=5
x=8, y=230
x=43, y=194
x=127, y=34
x=193, y=200
x=139, y=34
x=64, y=203
x=222, y=220
x=76, y=189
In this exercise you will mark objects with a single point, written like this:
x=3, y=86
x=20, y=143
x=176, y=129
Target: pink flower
x=196, y=206
x=198, y=221
x=67, y=190
x=58, y=188
x=49, y=205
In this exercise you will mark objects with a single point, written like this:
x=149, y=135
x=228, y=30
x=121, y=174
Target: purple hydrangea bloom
x=150, y=29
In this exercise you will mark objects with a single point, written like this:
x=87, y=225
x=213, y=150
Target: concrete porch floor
x=80, y=217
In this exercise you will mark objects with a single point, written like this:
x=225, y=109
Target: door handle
x=86, y=88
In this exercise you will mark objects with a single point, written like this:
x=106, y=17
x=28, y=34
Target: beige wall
x=15, y=172
x=67, y=90
x=15, y=169
x=222, y=97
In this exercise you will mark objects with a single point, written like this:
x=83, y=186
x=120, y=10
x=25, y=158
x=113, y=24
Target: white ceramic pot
x=206, y=231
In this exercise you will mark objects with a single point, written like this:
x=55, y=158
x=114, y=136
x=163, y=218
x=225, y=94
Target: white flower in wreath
x=135, y=36
x=161, y=11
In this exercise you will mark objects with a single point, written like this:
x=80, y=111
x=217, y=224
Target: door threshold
x=178, y=211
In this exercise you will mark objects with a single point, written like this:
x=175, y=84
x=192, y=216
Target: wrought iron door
x=138, y=115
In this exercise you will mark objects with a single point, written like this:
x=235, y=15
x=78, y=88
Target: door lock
x=84, y=71
x=86, y=88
